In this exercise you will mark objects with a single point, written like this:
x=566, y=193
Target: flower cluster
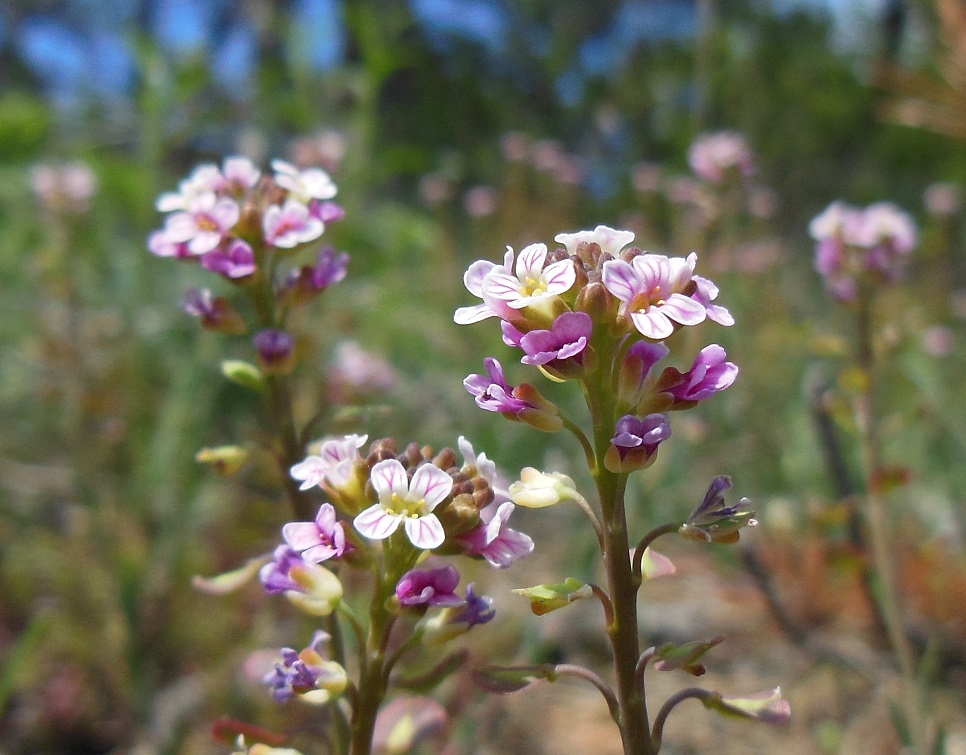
x=238, y=222
x=65, y=188
x=861, y=246
x=594, y=306
x=714, y=156
x=437, y=502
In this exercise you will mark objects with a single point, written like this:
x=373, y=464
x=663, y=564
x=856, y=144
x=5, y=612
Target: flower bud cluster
x=598, y=311
x=860, y=247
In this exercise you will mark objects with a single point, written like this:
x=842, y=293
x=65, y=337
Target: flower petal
x=425, y=532
x=376, y=523
x=432, y=484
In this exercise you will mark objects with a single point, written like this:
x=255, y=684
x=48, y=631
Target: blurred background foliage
x=452, y=127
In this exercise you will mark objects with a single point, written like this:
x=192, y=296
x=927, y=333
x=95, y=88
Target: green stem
x=650, y=537
x=876, y=518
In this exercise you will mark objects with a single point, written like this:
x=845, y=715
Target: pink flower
x=712, y=156
x=319, y=540
x=236, y=260
x=290, y=225
x=333, y=464
x=493, y=540
x=203, y=224
x=239, y=175
x=407, y=502
x=303, y=185
x=651, y=288
x=430, y=587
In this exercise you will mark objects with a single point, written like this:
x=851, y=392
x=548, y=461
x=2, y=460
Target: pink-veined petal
x=684, y=309
x=502, y=286
x=560, y=276
x=431, y=484
x=301, y=535
x=318, y=553
x=621, y=279
x=654, y=271
x=425, y=532
x=469, y=315
x=389, y=476
x=530, y=262
x=375, y=522
x=474, y=275
x=653, y=323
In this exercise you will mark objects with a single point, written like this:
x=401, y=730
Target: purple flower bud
x=560, y=349
x=494, y=393
x=429, y=587
x=275, y=574
x=275, y=349
x=215, y=313
x=478, y=609
x=330, y=268
x=327, y=212
x=635, y=442
x=709, y=374
x=235, y=261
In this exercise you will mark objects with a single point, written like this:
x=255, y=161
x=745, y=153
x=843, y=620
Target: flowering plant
x=598, y=312
x=376, y=509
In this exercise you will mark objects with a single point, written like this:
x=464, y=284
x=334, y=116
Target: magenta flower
x=635, y=442
x=532, y=284
x=430, y=587
x=290, y=225
x=636, y=369
x=215, y=313
x=492, y=540
x=204, y=223
x=319, y=540
x=709, y=374
x=651, y=288
x=334, y=464
x=705, y=293
x=407, y=502
x=566, y=340
x=494, y=393
x=237, y=260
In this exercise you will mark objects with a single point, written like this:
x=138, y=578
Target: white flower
x=304, y=185
x=609, y=240
x=406, y=502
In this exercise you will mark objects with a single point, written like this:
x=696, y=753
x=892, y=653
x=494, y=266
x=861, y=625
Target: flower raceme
x=856, y=246
x=228, y=218
x=433, y=499
x=597, y=303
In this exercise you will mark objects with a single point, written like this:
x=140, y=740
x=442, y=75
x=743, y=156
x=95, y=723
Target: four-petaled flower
x=290, y=225
x=203, y=224
x=651, y=287
x=532, y=284
x=566, y=340
x=334, y=463
x=319, y=540
x=406, y=502
x=493, y=392
x=236, y=260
